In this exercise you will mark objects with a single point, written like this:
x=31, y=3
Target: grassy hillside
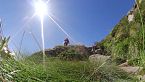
x=126, y=41
x=71, y=52
x=66, y=67
x=71, y=64
x=56, y=70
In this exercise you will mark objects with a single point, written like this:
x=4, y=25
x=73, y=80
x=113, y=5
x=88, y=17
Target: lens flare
x=61, y=29
x=40, y=8
x=43, y=43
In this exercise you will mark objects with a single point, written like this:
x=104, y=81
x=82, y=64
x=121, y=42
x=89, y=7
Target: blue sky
x=86, y=21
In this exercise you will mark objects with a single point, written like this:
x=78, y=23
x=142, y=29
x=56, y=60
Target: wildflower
x=5, y=50
x=12, y=54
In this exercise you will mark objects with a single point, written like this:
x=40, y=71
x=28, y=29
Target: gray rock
x=124, y=64
x=98, y=51
x=132, y=70
x=143, y=78
x=98, y=58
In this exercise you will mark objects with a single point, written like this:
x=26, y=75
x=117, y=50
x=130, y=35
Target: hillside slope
x=126, y=41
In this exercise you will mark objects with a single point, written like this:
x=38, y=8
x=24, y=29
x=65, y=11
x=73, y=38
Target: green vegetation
x=72, y=52
x=60, y=71
x=71, y=64
x=32, y=69
x=57, y=69
x=126, y=41
x=70, y=55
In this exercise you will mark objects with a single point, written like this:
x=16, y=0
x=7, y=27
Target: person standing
x=66, y=42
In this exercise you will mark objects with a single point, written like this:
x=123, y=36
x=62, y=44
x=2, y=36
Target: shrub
x=70, y=54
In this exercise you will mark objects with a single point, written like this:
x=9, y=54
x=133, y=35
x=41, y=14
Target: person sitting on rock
x=66, y=42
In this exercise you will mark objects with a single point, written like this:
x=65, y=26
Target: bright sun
x=41, y=8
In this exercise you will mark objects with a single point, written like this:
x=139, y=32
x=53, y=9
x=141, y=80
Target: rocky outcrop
x=97, y=48
x=98, y=58
x=130, y=69
x=126, y=39
x=81, y=49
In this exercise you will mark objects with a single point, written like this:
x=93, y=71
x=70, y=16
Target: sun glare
x=41, y=8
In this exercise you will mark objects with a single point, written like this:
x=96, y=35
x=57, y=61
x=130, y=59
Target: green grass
x=127, y=40
x=57, y=70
